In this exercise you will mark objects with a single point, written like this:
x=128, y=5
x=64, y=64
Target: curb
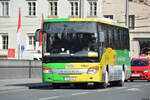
x=23, y=87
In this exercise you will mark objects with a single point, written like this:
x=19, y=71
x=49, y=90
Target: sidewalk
x=12, y=84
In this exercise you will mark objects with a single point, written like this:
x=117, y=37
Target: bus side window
x=115, y=39
x=110, y=38
x=121, y=39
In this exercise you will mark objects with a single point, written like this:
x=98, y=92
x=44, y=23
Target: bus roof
x=85, y=19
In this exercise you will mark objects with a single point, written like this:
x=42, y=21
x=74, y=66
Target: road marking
x=147, y=84
x=103, y=90
x=111, y=89
x=134, y=89
x=53, y=90
x=80, y=93
x=47, y=98
x=136, y=85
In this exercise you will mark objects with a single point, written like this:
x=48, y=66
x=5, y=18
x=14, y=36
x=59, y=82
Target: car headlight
x=146, y=71
x=47, y=70
x=93, y=70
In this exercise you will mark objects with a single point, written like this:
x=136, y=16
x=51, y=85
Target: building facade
x=139, y=22
x=31, y=16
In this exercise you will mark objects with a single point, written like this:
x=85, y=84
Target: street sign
x=11, y=53
x=22, y=48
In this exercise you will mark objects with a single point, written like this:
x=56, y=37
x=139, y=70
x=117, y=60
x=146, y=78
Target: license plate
x=135, y=75
x=69, y=78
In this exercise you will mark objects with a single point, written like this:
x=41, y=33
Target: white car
x=37, y=56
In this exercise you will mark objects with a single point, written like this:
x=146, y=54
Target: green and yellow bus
x=84, y=50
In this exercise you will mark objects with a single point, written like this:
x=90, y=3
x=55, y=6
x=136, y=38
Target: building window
x=130, y=0
x=5, y=42
x=74, y=8
x=32, y=8
x=141, y=1
x=53, y=8
x=31, y=42
x=93, y=8
x=132, y=21
x=4, y=8
x=108, y=16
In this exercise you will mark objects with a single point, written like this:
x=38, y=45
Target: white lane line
x=111, y=89
x=47, y=98
x=147, y=84
x=80, y=93
x=134, y=89
x=53, y=90
x=103, y=90
x=136, y=85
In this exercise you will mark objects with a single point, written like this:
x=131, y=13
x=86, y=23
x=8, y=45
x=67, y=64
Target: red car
x=140, y=69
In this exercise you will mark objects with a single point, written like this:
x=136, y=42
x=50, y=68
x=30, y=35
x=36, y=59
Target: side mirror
x=37, y=35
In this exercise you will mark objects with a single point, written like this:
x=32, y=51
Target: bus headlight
x=47, y=70
x=93, y=70
x=146, y=71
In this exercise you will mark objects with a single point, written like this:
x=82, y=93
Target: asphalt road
x=138, y=90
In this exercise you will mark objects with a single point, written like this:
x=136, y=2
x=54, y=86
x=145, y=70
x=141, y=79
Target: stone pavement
x=13, y=84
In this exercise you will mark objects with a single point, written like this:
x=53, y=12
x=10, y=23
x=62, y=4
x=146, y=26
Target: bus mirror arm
x=37, y=34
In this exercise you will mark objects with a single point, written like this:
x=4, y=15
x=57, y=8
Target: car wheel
x=131, y=80
x=148, y=80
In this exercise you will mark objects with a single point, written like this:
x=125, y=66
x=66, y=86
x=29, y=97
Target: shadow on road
x=48, y=86
x=31, y=85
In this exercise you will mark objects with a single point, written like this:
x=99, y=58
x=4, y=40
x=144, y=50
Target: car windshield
x=139, y=63
x=78, y=39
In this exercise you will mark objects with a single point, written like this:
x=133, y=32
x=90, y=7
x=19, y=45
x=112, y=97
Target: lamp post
x=127, y=14
x=81, y=8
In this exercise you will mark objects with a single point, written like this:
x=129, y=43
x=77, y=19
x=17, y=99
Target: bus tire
x=97, y=85
x=56, y=85
x=106, y=81
x=81, y=85
x=126, y=80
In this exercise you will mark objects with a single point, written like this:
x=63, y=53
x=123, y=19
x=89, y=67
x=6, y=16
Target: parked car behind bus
x=140, y=69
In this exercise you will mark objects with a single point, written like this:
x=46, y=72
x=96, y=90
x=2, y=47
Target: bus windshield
x=71, y=39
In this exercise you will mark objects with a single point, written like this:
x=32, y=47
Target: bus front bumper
x=55, y=78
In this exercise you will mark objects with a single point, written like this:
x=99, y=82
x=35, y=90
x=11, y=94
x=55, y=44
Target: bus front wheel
x=56, y=85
